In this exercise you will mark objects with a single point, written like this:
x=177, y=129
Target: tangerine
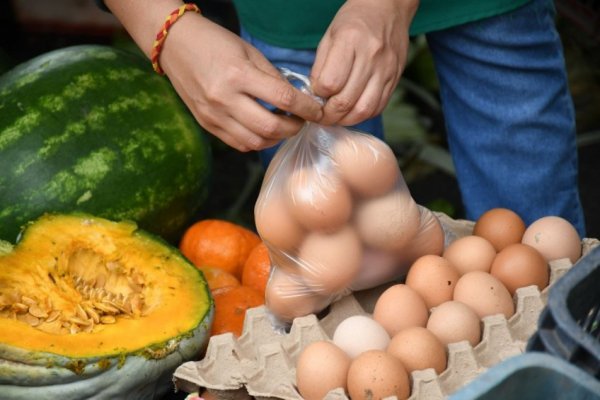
x=257, y=268
x=218, y=278
x=231, y=303
x=218, y=243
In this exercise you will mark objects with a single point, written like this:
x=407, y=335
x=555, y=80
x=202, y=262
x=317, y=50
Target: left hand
x=361, y=57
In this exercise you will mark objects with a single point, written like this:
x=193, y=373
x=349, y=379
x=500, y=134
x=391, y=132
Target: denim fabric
x=509, y=114
x=508, y=111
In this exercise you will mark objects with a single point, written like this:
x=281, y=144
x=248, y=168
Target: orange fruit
x=218, y=243
x=218, y=278
x=231, y=304
x=257, y=268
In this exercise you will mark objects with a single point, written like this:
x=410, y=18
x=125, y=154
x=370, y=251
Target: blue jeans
x=509, y=114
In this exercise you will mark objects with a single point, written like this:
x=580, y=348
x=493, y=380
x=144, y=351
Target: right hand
x=220, y=77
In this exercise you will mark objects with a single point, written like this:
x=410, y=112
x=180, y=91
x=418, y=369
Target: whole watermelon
x=92, y=128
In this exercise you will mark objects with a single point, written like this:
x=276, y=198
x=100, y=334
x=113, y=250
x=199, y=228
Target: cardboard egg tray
x=260, y=364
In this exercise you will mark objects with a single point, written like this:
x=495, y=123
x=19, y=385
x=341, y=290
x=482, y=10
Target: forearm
x=142, y=19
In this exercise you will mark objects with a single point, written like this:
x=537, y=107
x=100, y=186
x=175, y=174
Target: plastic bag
x=337, y=216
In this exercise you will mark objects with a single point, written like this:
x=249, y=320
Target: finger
x=239, y=137
x=388, y=89
x=366, y=105
x=335, y=71
x=320, y=58
x=265, y=123
x=262, y=63
x=342, y=103
x=283, y=95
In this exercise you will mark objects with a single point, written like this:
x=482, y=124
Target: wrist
x=141, y=20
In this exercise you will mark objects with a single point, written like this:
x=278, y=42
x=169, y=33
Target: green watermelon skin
x=92, y=128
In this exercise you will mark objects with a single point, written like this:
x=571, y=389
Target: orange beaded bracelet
x=162, y=34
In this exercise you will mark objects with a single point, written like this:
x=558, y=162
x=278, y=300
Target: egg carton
x=260, y=364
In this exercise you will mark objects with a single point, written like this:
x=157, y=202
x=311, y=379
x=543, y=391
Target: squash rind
x=143, y=373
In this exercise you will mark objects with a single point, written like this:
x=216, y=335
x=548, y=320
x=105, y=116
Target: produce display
x=94, y=129
x=348, y=289
x=441, y=343
x=96, y=309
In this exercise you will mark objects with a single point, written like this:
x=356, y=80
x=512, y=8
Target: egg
x=554, y=237
x=388, y=222
x=376, y=268
x=453, y=321
x=376, y=374
x=287, y=297
x=318, y=199
x=470, y=253
x=418, y=349
x=434, y=278
x=321, y=367
x=330, y=262
x=485, y=294
x=500, y=226
x=275, y=223
x=367, y=164
x=519, y=265
x=429, y=238
x=400, y=307
x=359, y=333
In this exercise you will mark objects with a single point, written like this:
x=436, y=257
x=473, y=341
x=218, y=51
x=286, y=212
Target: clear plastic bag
x=337, y=216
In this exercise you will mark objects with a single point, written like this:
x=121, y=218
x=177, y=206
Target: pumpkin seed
x=108, y=319
x=28, y=300
x=53, y=316
x=37, y=311
x=20, y=307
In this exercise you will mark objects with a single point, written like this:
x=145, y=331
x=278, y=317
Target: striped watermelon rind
x=92, y=128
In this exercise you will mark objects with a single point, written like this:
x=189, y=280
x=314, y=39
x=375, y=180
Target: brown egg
x=434, y=278
x=485, y=294
x=287, y=297
x=470, y=253
x=554, y=237
x=321, y=367
x=400, y=307
x=318, y=199
x=418, y=348
x=376, y=374
x=275, y=223
x=519, y=265
x=500, y=226
x=453, y=322
x=377, y=267
x=388, y=222
x=367, y=164
x=330, y=262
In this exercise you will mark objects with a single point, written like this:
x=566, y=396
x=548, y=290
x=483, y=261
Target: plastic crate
x=569, y=325
x=531, y=376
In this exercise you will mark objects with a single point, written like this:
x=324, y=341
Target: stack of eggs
x=442, y=301
x=337, y=216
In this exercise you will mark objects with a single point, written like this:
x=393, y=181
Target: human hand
x=219, y=77
x=361, y=57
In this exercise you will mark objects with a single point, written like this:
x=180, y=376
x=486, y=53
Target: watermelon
x=92, y=128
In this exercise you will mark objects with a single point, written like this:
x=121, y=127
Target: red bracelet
x=162, y=34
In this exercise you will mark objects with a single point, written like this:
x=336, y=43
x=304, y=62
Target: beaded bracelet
x=162, y=34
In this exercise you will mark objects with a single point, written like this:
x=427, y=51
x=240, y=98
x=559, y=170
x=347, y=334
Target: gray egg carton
x=260, y=364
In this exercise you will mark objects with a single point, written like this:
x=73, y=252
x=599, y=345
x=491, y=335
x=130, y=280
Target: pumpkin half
x=96, y=309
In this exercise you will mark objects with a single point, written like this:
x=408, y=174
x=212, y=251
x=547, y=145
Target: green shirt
x=301, y=23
